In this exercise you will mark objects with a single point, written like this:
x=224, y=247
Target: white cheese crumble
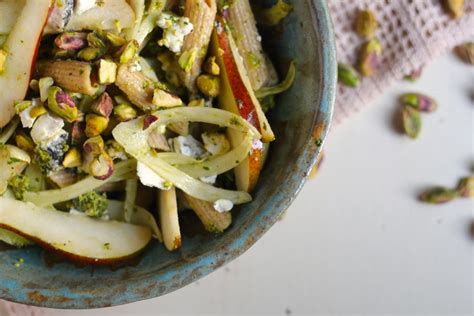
x=223, y=205
x=46, y=126
x=174, y=30
x=81, y=6
x=189, y=146
x=215, y=143
x=209, y=179
x=149, y=178
x=25, y=116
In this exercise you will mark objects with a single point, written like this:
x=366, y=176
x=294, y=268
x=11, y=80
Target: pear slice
x=22, y=47
x=9, y=11
x=109, y=15
x=238, y=97
x=75, y=237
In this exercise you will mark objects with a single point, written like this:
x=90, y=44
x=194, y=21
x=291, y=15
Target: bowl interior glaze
x=301, y=121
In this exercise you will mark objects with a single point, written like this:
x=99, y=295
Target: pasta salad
x=116, y=117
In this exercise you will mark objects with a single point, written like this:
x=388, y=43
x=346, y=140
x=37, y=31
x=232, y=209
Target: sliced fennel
x=139, y=216
x=187, y=183
x=134, y=140
x=123, y=170
x=148, y=22
x=213, y=166
x=8, y=130
x=130, y=196
x=281, y=87
x=204, y=115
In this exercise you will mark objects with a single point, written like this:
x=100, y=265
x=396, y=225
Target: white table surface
x=356, y=240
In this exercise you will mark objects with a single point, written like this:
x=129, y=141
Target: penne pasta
x=70, y=74
x=212, y=220
x=243, y=26
x=141, y=90
x=201, y=14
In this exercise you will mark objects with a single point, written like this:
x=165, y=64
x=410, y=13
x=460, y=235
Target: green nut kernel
x=454, y=7
x=211, y=66
x=115, y=40
x=347, y=75
x=411, y=121
x=438, y=195
x=97, y=40
x=90, y=53
x=209, y=85
x=124, y=112
x=24, y=142
x=370, y=57
x=366, y=24
x=73, y=158
x=465, y=187
x=95, y=124
x=422, y=103
x=94, y=145
x=62, y=104
x=129, y=52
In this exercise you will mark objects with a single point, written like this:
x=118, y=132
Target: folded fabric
x=412, y=33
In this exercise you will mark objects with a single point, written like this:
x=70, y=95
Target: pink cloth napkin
x=412, y=33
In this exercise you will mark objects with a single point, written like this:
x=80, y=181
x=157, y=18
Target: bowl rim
x=203, y=264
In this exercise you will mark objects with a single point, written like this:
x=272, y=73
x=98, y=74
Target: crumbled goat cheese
x=189, y=146
x=174, y=30
x=81, y=6
x=25, y=116
x=209, y=179
x=223, y=205
x=149, y=178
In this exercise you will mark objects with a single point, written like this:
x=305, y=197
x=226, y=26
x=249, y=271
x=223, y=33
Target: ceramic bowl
x=300, y=120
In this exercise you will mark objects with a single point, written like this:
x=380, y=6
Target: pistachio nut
x=454, y=7
x=370, y=57
x=438, y=195
x=366, y=24
x=347, y=75
x=129, y=52
x=62, y=104
x=90, y=53
x=465, y=187
x=95, y=124
x=211, y=66
x=94, y=145
x=71, y=41
x=209, y=85
x=411, y=121
x=421, y=102
x=24, y=142
x=124, y=112
x=97, y=40
x=73, y=158
x=103, y=105
x=102, y=166
x=465, y=52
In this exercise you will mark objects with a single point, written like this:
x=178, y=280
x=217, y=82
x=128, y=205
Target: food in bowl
x=109, y=106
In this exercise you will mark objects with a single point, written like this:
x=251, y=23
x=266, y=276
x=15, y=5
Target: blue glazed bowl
x=301, y=122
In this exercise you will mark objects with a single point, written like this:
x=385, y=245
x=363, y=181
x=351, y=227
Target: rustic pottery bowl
x=301, y=122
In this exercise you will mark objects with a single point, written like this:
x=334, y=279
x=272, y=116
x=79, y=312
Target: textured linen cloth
x=412, y=33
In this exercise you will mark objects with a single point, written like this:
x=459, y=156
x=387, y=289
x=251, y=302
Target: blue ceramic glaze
x=301, y=122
